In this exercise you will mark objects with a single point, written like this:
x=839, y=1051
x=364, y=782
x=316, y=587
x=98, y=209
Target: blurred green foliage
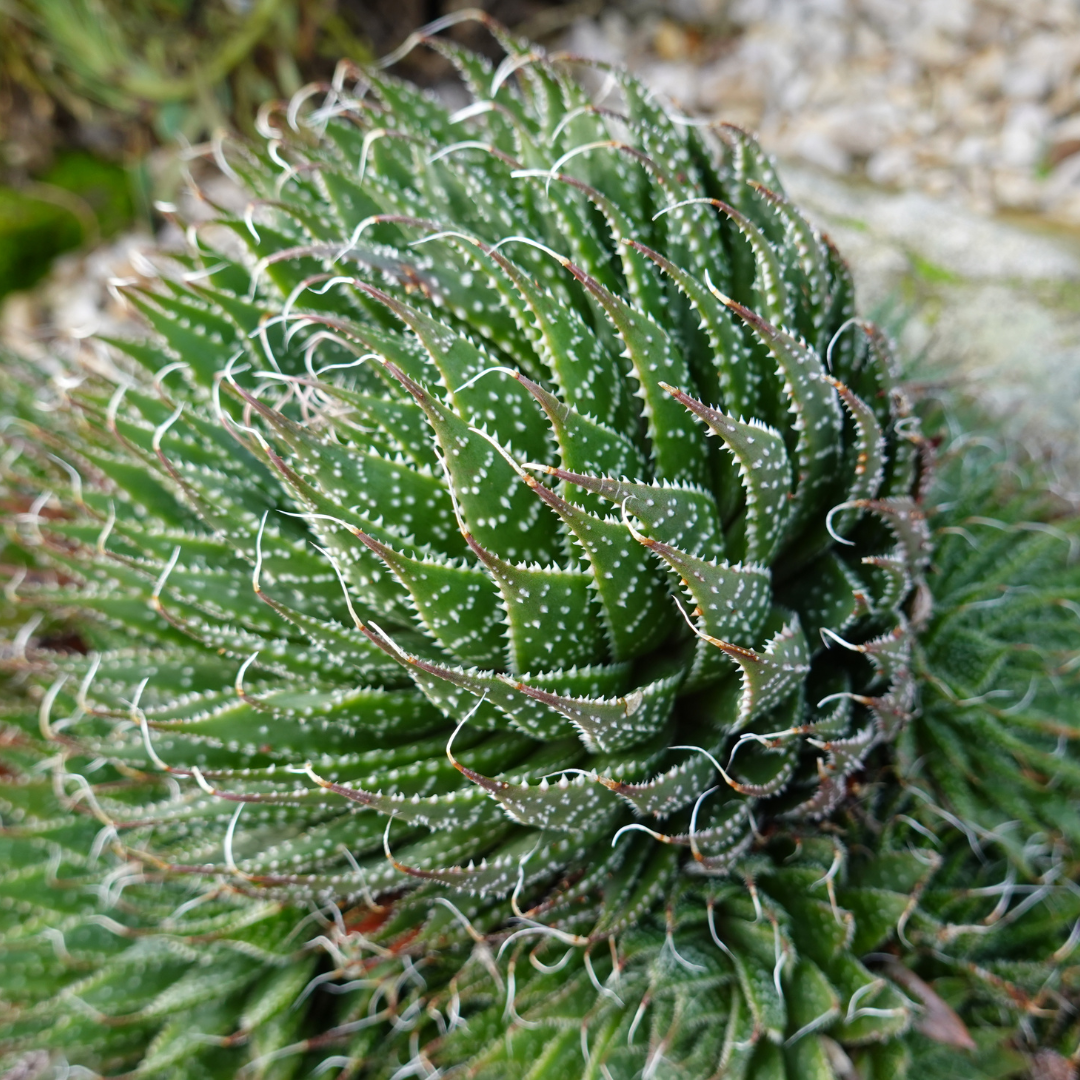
x=104, y=187
x=32, y=232
x=79, y=199
x=89, y=89
x=180, y=67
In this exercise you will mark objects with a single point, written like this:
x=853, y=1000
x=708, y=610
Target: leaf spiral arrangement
x=509, y=557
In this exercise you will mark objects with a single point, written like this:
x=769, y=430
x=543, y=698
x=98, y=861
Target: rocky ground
x=974, y=98
x=982, y=302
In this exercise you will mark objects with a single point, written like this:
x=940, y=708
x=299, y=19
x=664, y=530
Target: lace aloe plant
x=458, y=623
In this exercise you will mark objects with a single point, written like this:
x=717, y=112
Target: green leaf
x=550, y=613
x=807, y=1060
x=772, y=292
x=457, y=603
x=588, y=378
x=655, y=360
x=671, y=790
x=608, y=724
x=493, y=401
x=813, y=403
x=870, y=454
x=681, y=515
x=753, y=954
x=636, y=608
x=730, y=355
x=732, y=602
x=193, y=331
x=568, y=804
x=765, y=470
x=497, y=507
x=586, y=445
x=812, y=1002
x=413, y=503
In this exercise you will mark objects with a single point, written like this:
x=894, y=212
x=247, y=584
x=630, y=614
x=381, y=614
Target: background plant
x=99, y=98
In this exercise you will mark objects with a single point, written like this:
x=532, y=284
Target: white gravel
x=978, y=99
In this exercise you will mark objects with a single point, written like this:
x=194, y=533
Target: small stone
x=1024, y=135
x=671, y=41
x=816, y=147
x=729, y=87
x=892, y=165
x=674, y=81
x=972, y=150
x=1017, y=189
x=985, y=72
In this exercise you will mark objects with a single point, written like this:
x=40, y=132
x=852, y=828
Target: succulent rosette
x=472, y=634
